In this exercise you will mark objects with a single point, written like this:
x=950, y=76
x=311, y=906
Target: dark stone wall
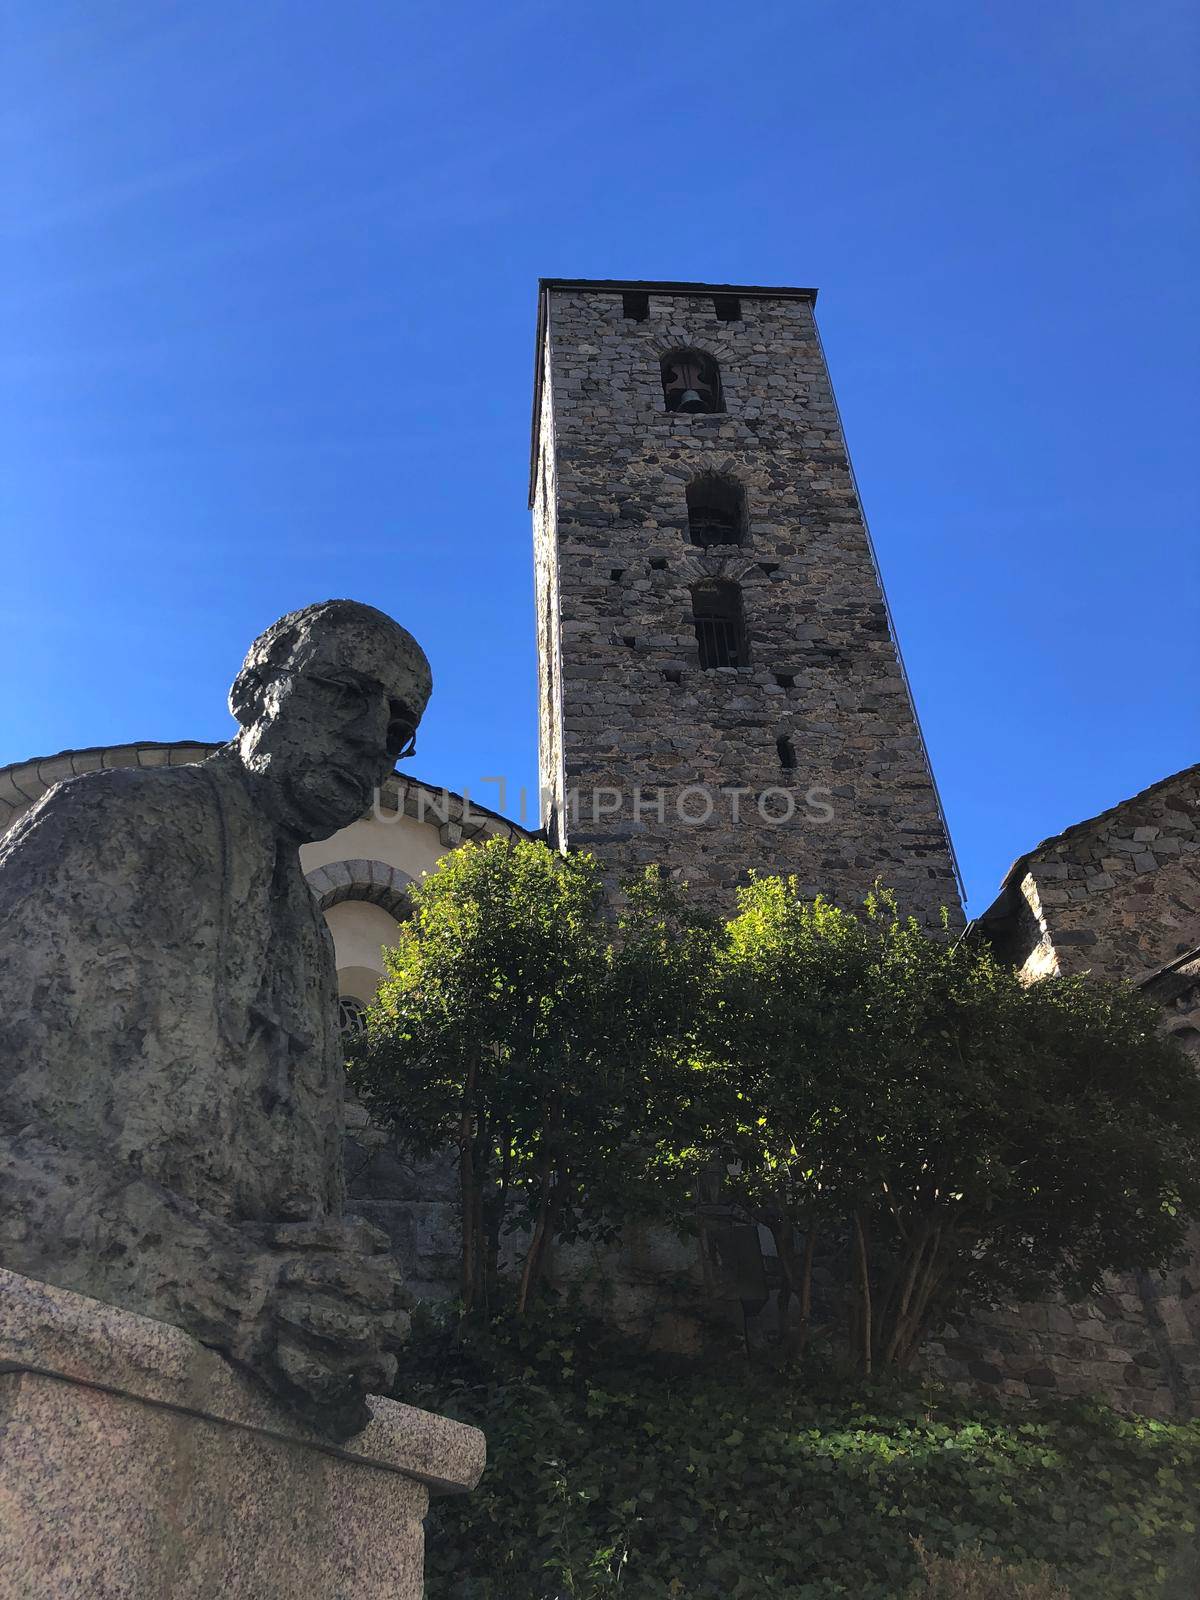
x=627, y=709
x=1117, y=895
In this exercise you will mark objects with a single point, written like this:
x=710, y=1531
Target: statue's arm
x=316, y=1309
x=79, y=1218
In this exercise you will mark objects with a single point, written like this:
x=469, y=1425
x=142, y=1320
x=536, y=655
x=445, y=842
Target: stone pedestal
x=135, y=1464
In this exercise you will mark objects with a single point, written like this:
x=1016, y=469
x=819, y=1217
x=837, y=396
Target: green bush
x=612, y=1472
x=974, y=1137
x=900, y=1111
x=522, y=1024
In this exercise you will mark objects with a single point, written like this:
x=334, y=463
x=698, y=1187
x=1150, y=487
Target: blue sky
x=268, y=295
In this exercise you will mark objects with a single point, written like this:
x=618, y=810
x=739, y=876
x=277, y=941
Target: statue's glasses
x=351, y=697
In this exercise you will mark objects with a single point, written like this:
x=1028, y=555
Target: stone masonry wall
x=1134, y=1345
x=626, y=708
x=1118, y=895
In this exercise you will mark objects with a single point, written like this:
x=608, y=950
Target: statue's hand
x=332, y=1322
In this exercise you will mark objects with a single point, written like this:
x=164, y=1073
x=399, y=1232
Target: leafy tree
x=968, y=1135
x=895, y=1101
x=523, y=1024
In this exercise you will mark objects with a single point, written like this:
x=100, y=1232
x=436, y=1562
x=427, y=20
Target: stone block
x=423, y=1234
x=985, y=1372
x=135, y=1464
x=1041, y=1378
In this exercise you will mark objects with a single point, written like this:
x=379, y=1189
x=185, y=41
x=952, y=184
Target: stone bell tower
x=720, y=687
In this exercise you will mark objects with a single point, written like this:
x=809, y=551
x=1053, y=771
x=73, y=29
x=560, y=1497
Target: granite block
x=137, y=1465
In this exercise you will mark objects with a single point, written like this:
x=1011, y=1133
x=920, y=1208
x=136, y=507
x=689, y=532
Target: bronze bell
x=691, y=400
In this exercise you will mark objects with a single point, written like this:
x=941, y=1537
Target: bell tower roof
x=654, y=286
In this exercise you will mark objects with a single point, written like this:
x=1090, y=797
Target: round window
x=352, y=1016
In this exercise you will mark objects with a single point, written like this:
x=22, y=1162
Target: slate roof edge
x=27, y=781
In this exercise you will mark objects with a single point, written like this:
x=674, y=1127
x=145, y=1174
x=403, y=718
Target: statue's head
x=328, y=699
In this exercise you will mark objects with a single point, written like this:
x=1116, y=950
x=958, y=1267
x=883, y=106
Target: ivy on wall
x=615, y=1473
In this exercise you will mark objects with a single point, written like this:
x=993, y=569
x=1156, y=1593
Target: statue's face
x=330, y=728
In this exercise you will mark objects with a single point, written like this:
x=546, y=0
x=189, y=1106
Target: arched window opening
x=691, y=382
x=720, y=626
x=787, y=753
x=716, y=510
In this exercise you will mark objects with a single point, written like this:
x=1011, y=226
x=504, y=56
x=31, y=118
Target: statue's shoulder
x=133, y=803
x=133, y=790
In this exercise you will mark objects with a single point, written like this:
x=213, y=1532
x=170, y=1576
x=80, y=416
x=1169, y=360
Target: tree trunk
x=864, y=1288
x=810, y=1246
x=895, y=1314
x=789, y=1270
x=548, y=1214
x=550, y=1198
x=797, y=1279
x=496, y=1209
x=926, y=1275
x=939, y=1270
x=467, y=1192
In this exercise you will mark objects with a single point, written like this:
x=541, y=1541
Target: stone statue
x=170, y=1074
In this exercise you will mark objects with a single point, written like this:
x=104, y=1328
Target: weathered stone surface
x=1117, y=895
x=170, y=1075
x=625, y=707
x=1082, y=1349
x=1094, y=898
x=135, y=1464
